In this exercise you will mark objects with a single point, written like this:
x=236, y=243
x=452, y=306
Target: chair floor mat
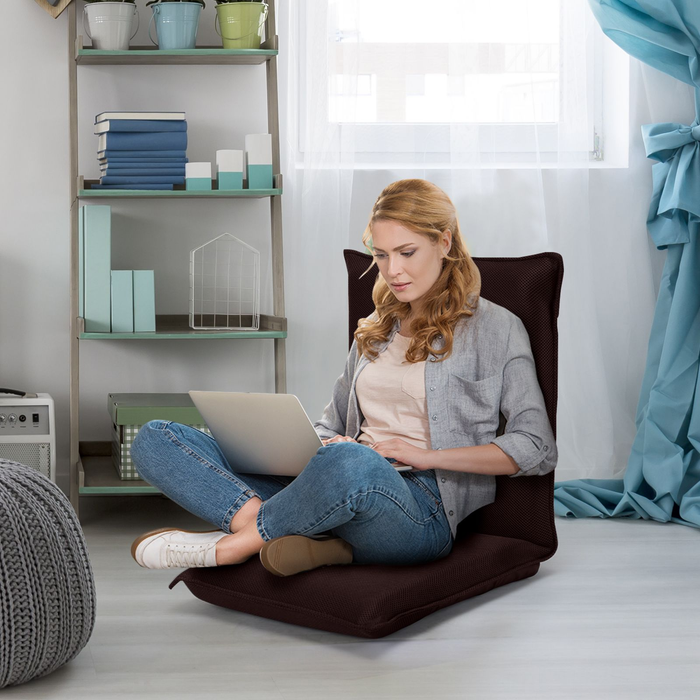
x=366, y=599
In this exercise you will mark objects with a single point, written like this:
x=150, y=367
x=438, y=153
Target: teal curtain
x=662, y=478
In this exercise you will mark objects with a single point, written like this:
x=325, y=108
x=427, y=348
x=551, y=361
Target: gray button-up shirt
x=488, y=379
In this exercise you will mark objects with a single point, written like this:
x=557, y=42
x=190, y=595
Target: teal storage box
x=129, y=412
x=122, y=301
x=144, y=301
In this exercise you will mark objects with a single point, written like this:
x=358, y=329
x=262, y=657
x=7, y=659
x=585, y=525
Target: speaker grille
x=35, y=455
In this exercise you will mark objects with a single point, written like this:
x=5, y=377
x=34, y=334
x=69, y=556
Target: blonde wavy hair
x=424, y=208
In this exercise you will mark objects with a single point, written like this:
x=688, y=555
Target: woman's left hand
x=405, y=453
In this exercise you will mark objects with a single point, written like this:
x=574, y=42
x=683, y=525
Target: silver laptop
x=261, y=433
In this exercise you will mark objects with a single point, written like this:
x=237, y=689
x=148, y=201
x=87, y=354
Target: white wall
x=223, y=104
x=34, y=228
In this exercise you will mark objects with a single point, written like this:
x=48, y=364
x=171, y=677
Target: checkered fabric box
x=122, y=439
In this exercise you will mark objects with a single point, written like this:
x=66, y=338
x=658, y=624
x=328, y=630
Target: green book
x=122, y=301
x=144, y=301
x=97, y=258
x=81, y=263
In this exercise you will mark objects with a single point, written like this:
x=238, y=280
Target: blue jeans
x=347, y=489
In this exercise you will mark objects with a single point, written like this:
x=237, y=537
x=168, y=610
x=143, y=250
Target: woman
x=427, y=378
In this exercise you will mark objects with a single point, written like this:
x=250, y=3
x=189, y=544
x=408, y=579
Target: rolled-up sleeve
x=334, y=416
x=528, y=436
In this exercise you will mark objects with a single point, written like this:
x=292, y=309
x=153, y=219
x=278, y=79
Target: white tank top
x=391, y=395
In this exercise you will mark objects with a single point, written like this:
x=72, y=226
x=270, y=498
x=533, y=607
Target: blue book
x=144, y=163
x=152, y=141
x=110, y=153
x=138, y=172
x=144, y=301
x=122, y=301
x=139, y=125
x=102, y=116
x=143, y=180
x=97, y=256
x=148, y=186
x=143, y=166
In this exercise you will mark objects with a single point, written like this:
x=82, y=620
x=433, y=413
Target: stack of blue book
x=141, y=150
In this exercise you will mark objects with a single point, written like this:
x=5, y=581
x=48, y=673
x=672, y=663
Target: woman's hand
x=338, y=438
x=405, y=453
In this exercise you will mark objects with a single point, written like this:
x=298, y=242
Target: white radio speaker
x=28, y=432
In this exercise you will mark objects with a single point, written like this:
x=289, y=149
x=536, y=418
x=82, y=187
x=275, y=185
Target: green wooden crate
x=129, y=412
x=122, y=439
x=138, y=409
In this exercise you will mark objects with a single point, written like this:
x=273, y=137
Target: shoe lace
x=195, y=557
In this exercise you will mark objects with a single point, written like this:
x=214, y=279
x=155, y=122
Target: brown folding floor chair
x=497, y=544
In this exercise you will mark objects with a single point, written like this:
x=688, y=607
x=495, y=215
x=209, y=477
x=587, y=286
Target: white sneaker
x=176, y=549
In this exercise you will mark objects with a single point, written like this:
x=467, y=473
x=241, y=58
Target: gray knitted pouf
x=47, y=590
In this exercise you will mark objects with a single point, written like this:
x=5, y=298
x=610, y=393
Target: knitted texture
x=47, y=589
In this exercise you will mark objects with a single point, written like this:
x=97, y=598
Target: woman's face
x=404, y=256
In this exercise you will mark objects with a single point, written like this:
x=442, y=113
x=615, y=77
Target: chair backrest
x=529, y=287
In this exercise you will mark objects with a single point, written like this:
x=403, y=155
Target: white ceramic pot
x=109, y=25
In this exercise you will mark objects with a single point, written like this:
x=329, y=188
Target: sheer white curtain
x=501, y=115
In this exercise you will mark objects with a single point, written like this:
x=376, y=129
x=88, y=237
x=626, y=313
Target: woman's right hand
x=338, y=438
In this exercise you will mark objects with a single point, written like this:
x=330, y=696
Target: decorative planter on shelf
x=198, y=176
x=176, y=24
x=109, y=24
x=229, y=169
x=241, y=24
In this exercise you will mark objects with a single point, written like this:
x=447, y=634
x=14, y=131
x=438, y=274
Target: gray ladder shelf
x=90, y=468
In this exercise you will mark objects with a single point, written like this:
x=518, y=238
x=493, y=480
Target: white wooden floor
x=614, y=614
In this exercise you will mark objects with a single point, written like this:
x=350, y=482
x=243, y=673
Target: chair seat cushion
x=370, y=600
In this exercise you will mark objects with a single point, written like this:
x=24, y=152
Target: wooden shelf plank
x=144, y=55
x=98, y=476
x=83, y=185
x=174, y=327
x=153, y=194
x=84, y=191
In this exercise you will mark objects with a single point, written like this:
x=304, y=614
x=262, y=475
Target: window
x=463, y=61
x=401, y=75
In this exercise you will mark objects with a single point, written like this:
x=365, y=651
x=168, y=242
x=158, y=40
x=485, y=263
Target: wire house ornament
x=225, y=285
